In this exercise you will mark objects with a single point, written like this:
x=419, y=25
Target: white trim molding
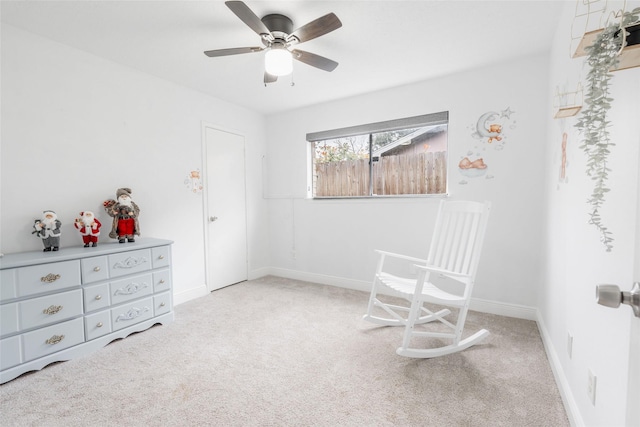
x=188, y=295
x=503, y=309
x=484, y=306
x=322, y=279
x=570, y=405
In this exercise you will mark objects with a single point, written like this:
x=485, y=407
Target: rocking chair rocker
x=454, y=254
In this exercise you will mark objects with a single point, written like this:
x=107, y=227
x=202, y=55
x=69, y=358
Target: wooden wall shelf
x=564, y=112
x=629, y=58
x=568, y=104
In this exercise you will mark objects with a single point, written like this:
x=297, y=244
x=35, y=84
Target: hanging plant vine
x=602, y=56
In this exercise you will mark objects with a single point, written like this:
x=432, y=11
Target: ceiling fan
x=278, y=38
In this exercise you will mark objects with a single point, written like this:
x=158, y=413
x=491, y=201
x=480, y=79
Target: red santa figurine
x=89, y=228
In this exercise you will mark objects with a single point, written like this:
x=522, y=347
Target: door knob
x=213, y=218
x=610, y=296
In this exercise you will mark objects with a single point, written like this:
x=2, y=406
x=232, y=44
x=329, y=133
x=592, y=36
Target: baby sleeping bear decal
x=487, y=132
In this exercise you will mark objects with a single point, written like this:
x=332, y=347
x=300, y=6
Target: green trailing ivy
x=602, y=56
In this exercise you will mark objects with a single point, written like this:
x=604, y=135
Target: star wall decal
x=506, y=113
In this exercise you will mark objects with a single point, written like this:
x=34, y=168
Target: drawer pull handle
x=161, y=257
x=98, y=297
x=162, y=304
x=99, y=325
x=162, y=281
x=54, y=339
x=96, y=269
x=52, y=309
x=50, y=278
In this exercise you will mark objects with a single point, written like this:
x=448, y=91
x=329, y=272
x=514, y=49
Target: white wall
x=333, y=240
x=76, y=127
x=575, y=261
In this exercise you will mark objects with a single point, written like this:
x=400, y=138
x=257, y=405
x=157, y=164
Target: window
x=398, y=157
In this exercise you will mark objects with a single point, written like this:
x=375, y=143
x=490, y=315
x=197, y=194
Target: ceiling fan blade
x=232, y=51
x=314, y=60
x=247, y=16
x=317, y=28
x=269, y=78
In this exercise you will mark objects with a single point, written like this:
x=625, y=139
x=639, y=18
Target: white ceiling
x=381, y=44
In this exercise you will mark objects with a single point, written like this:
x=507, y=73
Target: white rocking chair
x=454, y=254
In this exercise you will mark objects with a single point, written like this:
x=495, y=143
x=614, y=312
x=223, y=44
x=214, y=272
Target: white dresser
x=56, y=306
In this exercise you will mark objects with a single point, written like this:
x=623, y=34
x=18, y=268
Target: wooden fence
x=423, y=173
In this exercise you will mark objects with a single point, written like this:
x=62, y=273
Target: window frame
x=433, y=119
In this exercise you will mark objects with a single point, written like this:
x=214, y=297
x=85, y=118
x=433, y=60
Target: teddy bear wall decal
x=489, y=134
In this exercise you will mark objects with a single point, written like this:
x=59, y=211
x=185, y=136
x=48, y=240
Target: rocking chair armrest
x=400, y=256
x=441, y=271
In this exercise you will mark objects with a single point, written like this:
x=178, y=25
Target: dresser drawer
x=161, y=280
x=97, y=324
x=132, y=313
x=96, y=297
x=51, y=308
x=48, y=277
x=160, y=256
x=131, y=288
x=10, y=354
x=53, y=338
x=94, y=269
x=8, y=284
x=8, y=318
x=129, y=262
x=162, y=303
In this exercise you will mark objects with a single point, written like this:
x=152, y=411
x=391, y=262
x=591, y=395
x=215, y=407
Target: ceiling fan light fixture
x=279, y=40
x=278, y=61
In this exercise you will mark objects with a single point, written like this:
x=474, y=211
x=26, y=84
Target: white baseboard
x=202, y=290
x=190, y=294
x=259, y=272
x=323, y=279
x=503, y=309
x=570, y=405
x=484, y=306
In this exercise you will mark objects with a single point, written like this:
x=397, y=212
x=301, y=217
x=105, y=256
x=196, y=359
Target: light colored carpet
x=279, y=352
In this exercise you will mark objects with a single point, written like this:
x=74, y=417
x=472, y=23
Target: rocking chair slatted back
x=454, y=253
x=458, y=236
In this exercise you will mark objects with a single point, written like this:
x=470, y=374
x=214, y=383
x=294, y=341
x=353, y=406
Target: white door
x=605, y=373
x=633, y=389
x=620, y=323
x=225, y=210
x=631, y=90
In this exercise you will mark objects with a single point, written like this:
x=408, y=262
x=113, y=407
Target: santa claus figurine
x=125, y=216
x=89, y=228
x=48, y=229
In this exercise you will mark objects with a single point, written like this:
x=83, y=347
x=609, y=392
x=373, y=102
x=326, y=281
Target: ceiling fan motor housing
x=279, y=25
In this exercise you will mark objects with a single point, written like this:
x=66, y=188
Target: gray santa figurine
x=124, y=212
x=48, y=229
